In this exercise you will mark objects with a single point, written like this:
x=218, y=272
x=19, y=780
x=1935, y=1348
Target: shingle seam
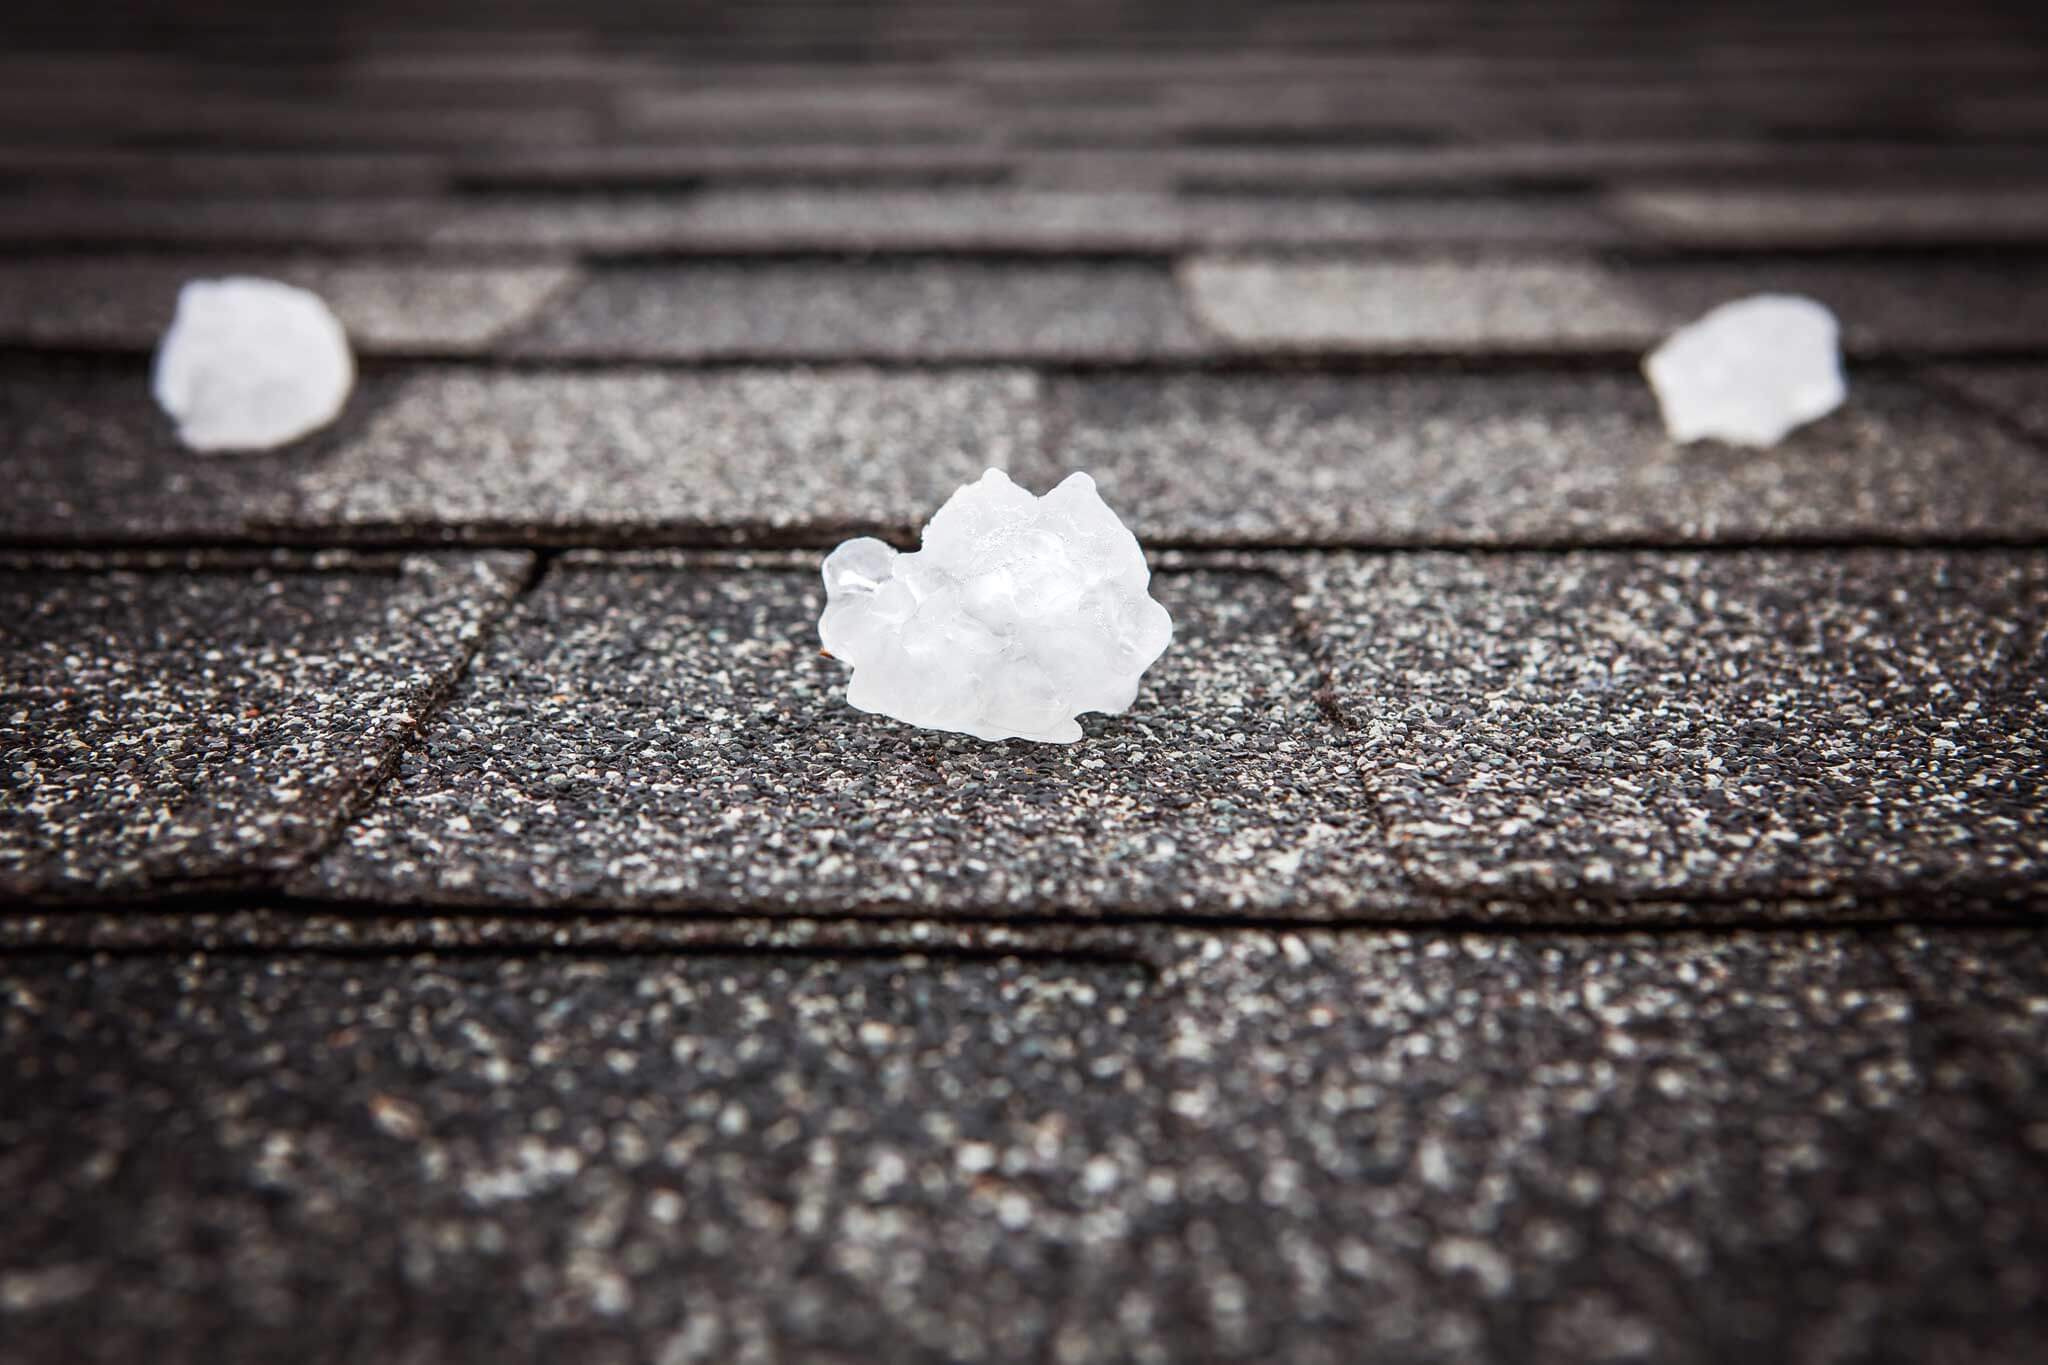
x=28, y=551
x=1931, y=380
x=260, y=923
x=365, y=788
x=508, y=353
x=2018, y=897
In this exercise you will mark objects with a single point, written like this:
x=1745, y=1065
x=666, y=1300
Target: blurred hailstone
x=1750, y=371
x=251, y=364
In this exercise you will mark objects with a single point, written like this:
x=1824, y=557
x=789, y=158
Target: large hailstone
x=1018, y=614
x=1750, y=371
x=250, y=364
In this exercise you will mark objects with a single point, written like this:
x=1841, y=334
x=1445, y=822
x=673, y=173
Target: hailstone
x=1018, y=614
x=1750, y=371
x=250, y=364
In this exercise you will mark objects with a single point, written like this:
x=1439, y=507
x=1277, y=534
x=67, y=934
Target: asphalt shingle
x=356, y=222
x=87, y=456
x=739, y=1025
x=2018, y=391
x=671, y=166
x=1580, y=163
x=857, y=106
x=1907, y=307
x=237, y=123
x=195, y=722
x=716, y=1158
x=588, y=224
x=1737, y=724
x=1547, y=1148
x=1523, y=459
x=1983, y=1001
x=1111, y=221
x=731, y=456
x=1304, y=1146
x=1806, y=218
x=1106, y=218
x=124, y=303
x=919, y=310
x=270, y=174
x=1417, y=306
x=662, y=735
x=281, y=926
x=1465, y=307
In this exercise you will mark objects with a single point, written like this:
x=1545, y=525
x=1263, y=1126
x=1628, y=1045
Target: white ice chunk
x=1749, y=371
x=1018, y=614
x=249, y=364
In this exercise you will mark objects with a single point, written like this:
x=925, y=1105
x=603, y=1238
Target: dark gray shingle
x=1519, y=459
x=1787, y=218
x=125, y=303
x=1659, y=725
x=853, y=311
x=1425, y=306
x=1303, y=1146
x=261, y=222
x=1110, y=219
x=2018, y=390
x=87, y=456
x=732, y=456
x=661, y=735
x=1567, y=307
x=199, y=722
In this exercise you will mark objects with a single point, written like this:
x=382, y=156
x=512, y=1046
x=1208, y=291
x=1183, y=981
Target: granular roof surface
x=1564, y=896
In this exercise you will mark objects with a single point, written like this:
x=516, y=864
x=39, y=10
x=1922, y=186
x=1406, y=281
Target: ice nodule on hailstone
x=1017, y=614
x=251, y=364
x=1750, y=371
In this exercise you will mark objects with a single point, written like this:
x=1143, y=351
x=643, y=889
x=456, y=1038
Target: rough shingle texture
x=270, y=174
x=663, y=1140
x=1522, y=163
x=1791, y=218
x=1568, y=1149
x=124, y=303
x=2018, y=391
x=1034, y=221
x=263, y=221
x=592, y=224
x=86, y=455
x=1520, y=459
x=1304, y=1146
x=664, y=735
x=210, y=721
x=1911, y=307
x=1736, y=724
x=1417, y=306
x=934, y=311
x=620, y=453
x=673, y=166
x=522, y=951
x=913, y=110
x=1512, y=307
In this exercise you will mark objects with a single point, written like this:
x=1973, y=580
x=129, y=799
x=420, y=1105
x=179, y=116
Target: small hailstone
x=1749, y=371
x=250, y=364
x=1018, y=614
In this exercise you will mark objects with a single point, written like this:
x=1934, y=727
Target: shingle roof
x=1562, y=896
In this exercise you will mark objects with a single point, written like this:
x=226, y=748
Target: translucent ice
x=1749, y=371
x=249, y=364
x=1018, y=614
